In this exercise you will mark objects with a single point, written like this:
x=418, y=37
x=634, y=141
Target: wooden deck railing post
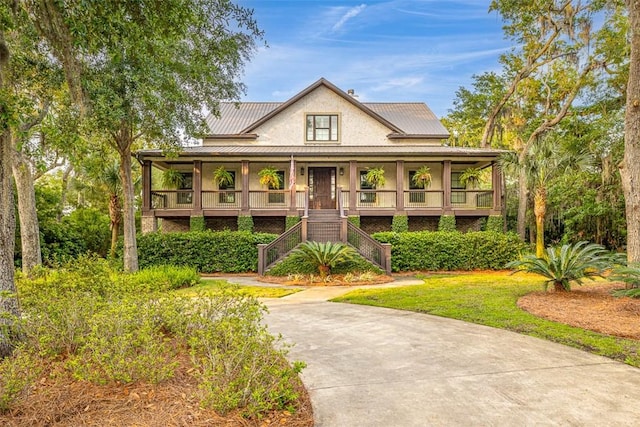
x=261, y=257
x=387, y=257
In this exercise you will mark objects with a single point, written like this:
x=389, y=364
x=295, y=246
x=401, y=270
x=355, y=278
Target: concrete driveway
x=369, y=366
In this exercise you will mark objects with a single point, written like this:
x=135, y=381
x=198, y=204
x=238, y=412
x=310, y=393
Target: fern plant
x=323, y=256
x=566, y=265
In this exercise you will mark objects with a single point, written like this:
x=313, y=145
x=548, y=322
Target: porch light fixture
x=341, y=171
x=302, y=170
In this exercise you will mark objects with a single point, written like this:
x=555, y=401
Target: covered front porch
x=314, y=183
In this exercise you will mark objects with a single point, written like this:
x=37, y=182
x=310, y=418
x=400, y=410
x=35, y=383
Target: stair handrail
x=372, y=250
x=270, y=253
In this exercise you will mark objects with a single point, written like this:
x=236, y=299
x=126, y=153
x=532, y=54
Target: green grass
x=490, y=299
x=213, y=286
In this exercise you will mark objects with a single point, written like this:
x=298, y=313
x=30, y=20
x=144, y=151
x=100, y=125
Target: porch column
x=197, y=188
x=245, y=187
x=399, y=185
x=496, y=184
x=146, y=186
x=292, y=188
x=353, y=186
x=446, y=186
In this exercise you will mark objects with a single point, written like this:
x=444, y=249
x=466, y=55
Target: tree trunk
x=29, y=230
x=115, y=216
x=65, y=190
x=523, y=196
x=630, y=167
x=130, y=255
x=8, y=300
x=540, y=209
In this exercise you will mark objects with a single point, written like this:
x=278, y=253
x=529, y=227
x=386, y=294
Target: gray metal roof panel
x=412, y=118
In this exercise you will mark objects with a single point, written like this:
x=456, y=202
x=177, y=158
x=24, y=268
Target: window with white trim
x=322, y=127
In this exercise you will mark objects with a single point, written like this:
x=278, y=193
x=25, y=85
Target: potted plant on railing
x=271, y=178
x=421, y=179
x=375, y=178
x=224, y=179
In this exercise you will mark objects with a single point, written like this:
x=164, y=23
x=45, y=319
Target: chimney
x=351, y=92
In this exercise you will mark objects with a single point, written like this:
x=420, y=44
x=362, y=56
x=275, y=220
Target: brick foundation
x=175, y=225
x=220, y=223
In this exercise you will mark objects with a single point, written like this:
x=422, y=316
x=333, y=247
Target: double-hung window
x=322, y=127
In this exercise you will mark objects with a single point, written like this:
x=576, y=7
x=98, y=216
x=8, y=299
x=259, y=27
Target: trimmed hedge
x=400, y=223
x=447, y=223
x=495, y=223
x=245, y=223
x=197, y=223
x=206, y=251
x=440, y=250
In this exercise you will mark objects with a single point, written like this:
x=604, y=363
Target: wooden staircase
x=324, y=225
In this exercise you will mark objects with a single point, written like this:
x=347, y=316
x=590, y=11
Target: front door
x=322, y=188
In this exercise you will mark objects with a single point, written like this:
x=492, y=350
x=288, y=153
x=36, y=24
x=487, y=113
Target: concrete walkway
x=370, y=366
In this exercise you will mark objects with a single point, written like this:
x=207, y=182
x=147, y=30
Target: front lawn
x=216, y=286
x=490, y=299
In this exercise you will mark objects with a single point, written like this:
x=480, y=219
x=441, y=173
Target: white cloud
x=351, y=13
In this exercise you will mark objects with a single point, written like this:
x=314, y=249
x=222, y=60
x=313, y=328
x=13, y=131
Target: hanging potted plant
x=272, y=179
x=172, y=179
x=222, y=177
x=470, y=177
x=422, y=177
x=375, y=177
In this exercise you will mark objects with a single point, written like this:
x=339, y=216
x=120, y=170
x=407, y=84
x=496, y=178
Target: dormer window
x=322, y=127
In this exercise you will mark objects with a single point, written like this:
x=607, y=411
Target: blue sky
x=394, y=50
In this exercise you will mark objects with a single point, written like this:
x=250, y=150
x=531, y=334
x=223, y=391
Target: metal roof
x=248, y=151
x=408, y=118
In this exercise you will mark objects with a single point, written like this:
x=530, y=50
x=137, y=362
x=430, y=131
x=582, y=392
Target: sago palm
x=567, y=264
x=323, y=256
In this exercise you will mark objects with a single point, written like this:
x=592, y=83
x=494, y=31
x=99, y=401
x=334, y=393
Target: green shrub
x=125, y=343
x=427, y=250
x=495, y=223
x=206, y=252
x=354, y=219
x=400, y=223
x=289, y=265
x=568, y=264
x=197, y=223
x=97, y=323
x=239, y=363
x=164, y=278
x=323, y=255
x=290, y=221
x=447, y=223
x=245, y=223
x=17, y=375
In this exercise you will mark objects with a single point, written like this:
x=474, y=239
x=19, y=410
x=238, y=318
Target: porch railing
x=376, y=199
x=172, y=199
x=423, y=198
x=376, y=252
x=222, y=199
x=281, y=199
x=270, y=253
